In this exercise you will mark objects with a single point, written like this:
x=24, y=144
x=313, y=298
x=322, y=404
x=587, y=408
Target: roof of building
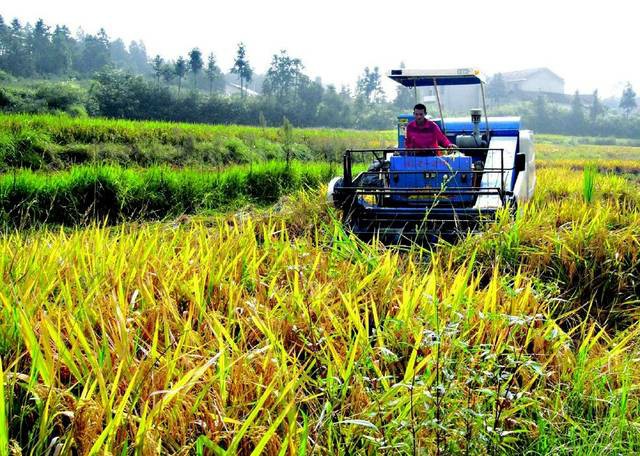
x=247, y=90
x=523, y=75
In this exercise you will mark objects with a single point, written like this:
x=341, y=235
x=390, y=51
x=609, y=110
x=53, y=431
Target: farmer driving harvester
x=423, y=133
x=409, y=194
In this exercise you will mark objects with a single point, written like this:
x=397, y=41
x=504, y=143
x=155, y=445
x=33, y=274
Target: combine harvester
x=416, y=195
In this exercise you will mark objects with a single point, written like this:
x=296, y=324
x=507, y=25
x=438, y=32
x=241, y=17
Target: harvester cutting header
x=417, y=192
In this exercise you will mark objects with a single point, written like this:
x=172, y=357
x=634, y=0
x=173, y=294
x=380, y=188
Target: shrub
x=113, y=153
x=237, y=150
x=7, y=147
x=61, y=96
x=268, y=150
x=77, y=110
x=32, y=149
x=6, y=100
x=75, y=154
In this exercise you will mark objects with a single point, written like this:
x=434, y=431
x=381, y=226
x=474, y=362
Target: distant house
x=519, y=85
x=231, y=88
x=533, y=80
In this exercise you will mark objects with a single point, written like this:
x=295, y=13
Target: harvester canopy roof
x=429, y=78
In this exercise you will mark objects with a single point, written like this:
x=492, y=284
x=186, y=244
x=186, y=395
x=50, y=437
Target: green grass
x=567, y=140
x=54, y=142
x=88, y=193
x=50, y=142
x=553, y=152
x=4, y=425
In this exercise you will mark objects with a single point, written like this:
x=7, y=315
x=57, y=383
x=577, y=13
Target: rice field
x=275, y=332
x=49, y=142
x=114, y=194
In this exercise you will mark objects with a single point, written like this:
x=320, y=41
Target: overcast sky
x=591, y=45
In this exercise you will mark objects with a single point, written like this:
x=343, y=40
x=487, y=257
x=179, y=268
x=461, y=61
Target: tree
x=180, y=70
x=540, y=113
x=116, y=93
x=4, y=30
x=17, y=59
x=496, y=88
x=577, y=114
x=195, y=64
x=283, y=76
x=157, y=65
x=95, y=53
x=308, y=98
x=62, y=49
x=334, y=109
x=4, y=35
x=369, y=86
x=214, y=75
x=119, y=55
x=345, y=92
x=596, y=109
x=168, y=72
x=262, y=120
x=139, y=58
x=242, y=68
x=40, y=44
x=404, y=97
x=628, y=100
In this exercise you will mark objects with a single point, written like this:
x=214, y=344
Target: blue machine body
x=500, y=126
x=438, y=173
x=411, y=171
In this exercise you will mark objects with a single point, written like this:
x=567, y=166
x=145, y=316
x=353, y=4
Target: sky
x=591, y=45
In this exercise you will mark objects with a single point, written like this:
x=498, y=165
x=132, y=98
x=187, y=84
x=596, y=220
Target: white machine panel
x=495, y=160
x=526, y=178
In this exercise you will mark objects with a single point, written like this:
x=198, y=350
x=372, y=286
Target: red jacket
x=426, y=136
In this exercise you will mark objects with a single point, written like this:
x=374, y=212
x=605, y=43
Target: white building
x=231, y=88
x=533, y=80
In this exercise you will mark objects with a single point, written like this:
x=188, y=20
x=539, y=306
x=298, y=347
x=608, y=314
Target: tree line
x=584, y=115
x=41, y=50
x=127, y=83
x=288, y=94
x=593, y=119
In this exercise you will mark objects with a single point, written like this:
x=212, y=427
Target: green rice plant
x=4, y=424
x=87, y=193
x=590, y=174
x=40, y=139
